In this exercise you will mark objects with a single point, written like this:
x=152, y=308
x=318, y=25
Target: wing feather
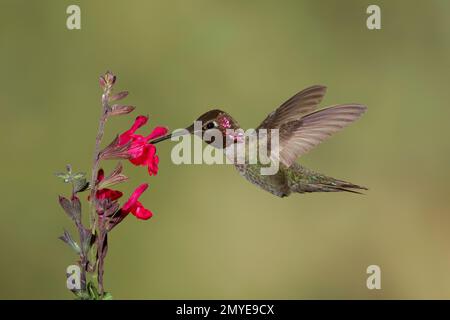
x=300, y=136
x=302, y=103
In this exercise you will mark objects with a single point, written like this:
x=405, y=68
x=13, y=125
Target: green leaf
x=79, y=178
x=93, y=292
x=80, y=185
x=107, y=296
x=67, y=238
x=82, y=295
x=64, y=176
x=78, y=175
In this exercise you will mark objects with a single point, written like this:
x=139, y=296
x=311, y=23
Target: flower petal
x=157, y=132
x=128, y=206
x=108, y=194
x=148, y=152
x=153, y=166
x=100, y=175
x=137, y=147
x=127, y=135
x=138, y=122
x=141, y=212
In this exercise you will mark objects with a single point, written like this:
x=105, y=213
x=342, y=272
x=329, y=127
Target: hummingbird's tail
x=303, y=180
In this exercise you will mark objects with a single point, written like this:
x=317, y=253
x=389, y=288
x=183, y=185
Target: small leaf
x=119, y=110
x=69, y=176
x=82, y=295
x=66, y=204
x=107, y=296
x=78, y=175
x=80, y=185
x=92, y=290
x=119, y=96
x=76, y=208
x=67, y=238
x=64, y=176
x=85, y=239
x=71, y=207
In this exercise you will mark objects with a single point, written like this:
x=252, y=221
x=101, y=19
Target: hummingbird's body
x=301, y=127
x=296, y=178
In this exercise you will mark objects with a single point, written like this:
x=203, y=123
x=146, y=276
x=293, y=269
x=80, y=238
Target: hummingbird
x=301, y=128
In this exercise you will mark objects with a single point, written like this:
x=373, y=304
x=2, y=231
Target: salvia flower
x=135, y=207
x=132, y=205
x=140, y=150
x=106, y=193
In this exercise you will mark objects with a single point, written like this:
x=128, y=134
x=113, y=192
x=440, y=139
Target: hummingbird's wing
x=300, y=104
x=298, y=137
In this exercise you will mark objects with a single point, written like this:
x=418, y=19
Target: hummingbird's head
x=217, y=120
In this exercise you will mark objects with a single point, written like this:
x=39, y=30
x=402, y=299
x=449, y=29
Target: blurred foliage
x=214, y=235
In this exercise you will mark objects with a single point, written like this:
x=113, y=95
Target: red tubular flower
x=128, y=135
x=106, y=193
x=132, y=205
x=141, y=151
x=135, y=207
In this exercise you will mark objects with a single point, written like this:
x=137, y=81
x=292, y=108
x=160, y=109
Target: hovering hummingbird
x=301, y=127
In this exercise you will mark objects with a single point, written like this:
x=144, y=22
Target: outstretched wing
x=293, y=109
x=299, y=136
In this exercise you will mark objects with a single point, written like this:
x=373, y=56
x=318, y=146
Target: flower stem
x=102, y=249
x=96, y=159
x=94, y=224
x=83, y=257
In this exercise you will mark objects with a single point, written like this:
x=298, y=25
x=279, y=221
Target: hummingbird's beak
x=189, y=130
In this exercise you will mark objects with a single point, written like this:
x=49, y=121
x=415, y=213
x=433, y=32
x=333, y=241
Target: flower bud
x=119, y=110
x=119, y=96
x=110, y=78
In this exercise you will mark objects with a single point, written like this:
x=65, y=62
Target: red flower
x=135, y=207
x=132, y=205
x=141, y=151
x=106, y=193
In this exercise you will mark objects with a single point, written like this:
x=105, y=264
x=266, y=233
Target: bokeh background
x=214, y=235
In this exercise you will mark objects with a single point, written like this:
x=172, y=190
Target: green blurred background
x=214, y=235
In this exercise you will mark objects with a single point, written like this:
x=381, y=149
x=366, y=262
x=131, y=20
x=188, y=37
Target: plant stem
x=83, y=261
x=83, y=258
x=96, y=160
x=101, y=259
x=94, y=225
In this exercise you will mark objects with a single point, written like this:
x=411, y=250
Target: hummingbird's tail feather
x=346, y=186
x=303, y=180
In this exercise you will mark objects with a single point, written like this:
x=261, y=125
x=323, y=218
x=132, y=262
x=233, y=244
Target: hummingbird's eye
x=210, y=125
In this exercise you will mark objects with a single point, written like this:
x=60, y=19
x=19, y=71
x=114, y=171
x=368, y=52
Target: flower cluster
x=132, y=205
x=106, y=212
x=140, y=152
